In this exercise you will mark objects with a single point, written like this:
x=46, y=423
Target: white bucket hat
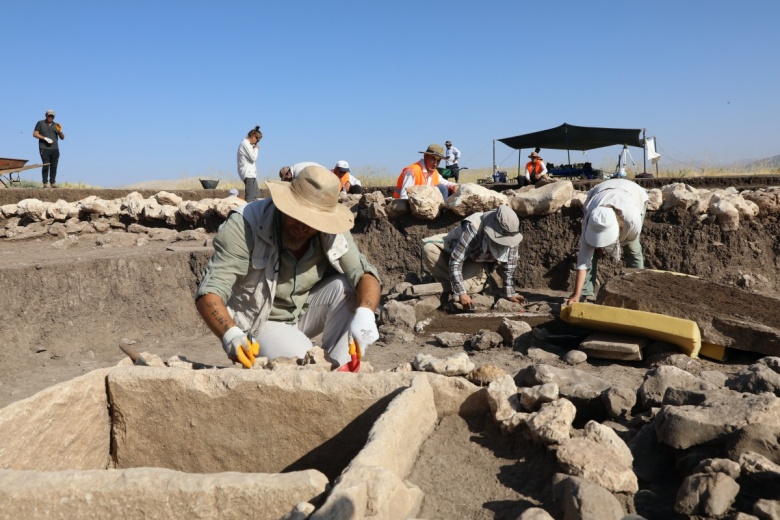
x=503, y=227
x=313, y=198
x=603, y=228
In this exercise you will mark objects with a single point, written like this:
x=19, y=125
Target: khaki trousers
x=437, y=262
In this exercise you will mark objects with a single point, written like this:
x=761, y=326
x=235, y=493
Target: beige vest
x=251, y=301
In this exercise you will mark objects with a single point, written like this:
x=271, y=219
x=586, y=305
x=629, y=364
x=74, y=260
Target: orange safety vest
x=419, y=178
x=530, y=167
x=344, y=179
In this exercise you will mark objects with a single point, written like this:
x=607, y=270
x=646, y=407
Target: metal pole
x=494, y=156
x=644, y=140
x=520, y=163
x=655, y=141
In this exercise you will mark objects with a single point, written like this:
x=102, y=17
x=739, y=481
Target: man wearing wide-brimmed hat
x=614, y=214
x=535, y=169
x=424, y=173
x=286, y=269
x=460, y=258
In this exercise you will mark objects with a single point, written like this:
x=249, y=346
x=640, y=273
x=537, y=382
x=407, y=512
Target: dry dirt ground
x=64, y=312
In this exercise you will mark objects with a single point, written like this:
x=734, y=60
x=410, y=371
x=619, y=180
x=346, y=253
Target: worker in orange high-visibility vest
x=535, y=169
x=349, y=183
x=424, y=173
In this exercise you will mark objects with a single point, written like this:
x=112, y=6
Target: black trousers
x=251, y=190
x=51, y=156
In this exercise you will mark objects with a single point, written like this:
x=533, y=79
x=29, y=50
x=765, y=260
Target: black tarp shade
x=570, y=137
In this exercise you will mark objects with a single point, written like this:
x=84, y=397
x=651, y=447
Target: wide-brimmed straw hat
x=603, y=228
x=313, y=198
x=535, y=155
x=435, y=150
x=503, y=227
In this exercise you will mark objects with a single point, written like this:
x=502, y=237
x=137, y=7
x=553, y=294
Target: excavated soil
x=64, y=312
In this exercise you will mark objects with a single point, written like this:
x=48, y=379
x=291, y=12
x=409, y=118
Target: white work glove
x=239, y=348
x=48, y=140
x=363, y=328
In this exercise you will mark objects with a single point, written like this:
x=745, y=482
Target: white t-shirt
x=297, y=167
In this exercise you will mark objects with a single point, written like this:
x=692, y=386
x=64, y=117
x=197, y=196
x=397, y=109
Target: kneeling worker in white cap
x=460, y=257
x=286, y=269
x=614, y=214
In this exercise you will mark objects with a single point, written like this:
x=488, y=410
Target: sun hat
x=233, y=192
x=603, y=228
x=343, y=166
x=313, y=198
x=50, y=111
x=503, y=227
x=434, y=149
x=535, y=155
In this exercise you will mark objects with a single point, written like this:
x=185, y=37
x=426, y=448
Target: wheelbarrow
x=10, y=170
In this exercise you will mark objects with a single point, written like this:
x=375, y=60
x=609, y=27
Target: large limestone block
x=660, y=379
x=678, y=195
x=706, y=495
x=552, y=424
x=584, y=500
x=155, y=493
x=473, y=198
x=33, y=209
x=598, y=463
x=766, y=201
x=739, y=319
x=396, y=437
x=65, y=426
x=542, y=201
x=456, y=395
x=685, y=426
x=371, y=492
x=424, y=201
x=567, y=379
x=244, y=420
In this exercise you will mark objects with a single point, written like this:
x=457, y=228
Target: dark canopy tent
x=569, y=137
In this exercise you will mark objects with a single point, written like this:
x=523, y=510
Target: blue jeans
x=52, y=157
x=444, y=192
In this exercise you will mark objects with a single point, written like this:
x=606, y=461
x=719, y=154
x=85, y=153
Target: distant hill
x=769, y=163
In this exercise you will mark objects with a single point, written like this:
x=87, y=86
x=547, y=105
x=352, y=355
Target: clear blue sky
x=167, y=89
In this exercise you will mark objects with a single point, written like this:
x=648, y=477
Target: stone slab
x=605, y=345
x=65, y=426
x=155, y=493
x=253, y=421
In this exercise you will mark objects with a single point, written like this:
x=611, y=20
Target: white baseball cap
x=343, y=166
x=603, y=228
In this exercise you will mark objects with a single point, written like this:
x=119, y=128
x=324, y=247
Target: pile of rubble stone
x=166, y=210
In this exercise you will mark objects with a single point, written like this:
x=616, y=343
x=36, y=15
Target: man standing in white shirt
x=451, y=160
x=246, y=159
